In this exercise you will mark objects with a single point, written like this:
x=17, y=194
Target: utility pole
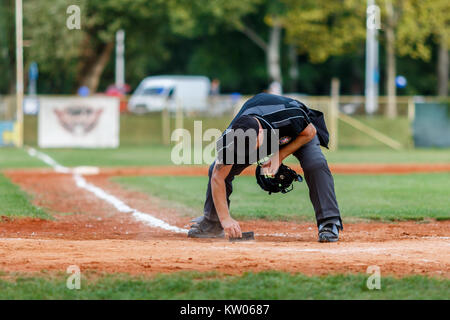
x=334, y=114
x=120, y=60
x=19, y=73
x=372, y=72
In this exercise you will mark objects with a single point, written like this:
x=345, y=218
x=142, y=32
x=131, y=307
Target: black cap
x=246, y=122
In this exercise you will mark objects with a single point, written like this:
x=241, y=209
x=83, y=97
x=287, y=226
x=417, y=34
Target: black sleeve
x=301, y=118
x=225, y=148
x=300, y=122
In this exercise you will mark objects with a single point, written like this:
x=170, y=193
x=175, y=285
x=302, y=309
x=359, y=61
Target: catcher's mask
x=281, y=182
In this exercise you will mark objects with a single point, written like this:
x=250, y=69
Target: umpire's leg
x=320, y=182
x=209, y=210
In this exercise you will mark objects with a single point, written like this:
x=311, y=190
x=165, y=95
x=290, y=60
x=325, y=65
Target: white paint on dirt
x=101, y=194
x=436, y=237
x=122, y=207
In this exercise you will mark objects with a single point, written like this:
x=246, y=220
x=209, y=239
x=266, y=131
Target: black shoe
x=328, y=233
x=197, y=220
x=206, y=229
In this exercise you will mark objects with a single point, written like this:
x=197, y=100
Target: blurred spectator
x=215, y=87
x=214, y=93
x=115, y=91
x=112, y=90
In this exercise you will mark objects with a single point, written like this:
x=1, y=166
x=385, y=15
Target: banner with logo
x=90, y=122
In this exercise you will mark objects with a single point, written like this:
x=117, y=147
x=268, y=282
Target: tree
x=321, y=29
x=7, y=47
x=153, y=22
x=272, y=10
x=409, y=25
x=50, y=43
x=442, y=67
x=422, y=20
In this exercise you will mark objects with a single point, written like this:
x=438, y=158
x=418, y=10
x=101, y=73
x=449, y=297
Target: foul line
x=101, y=194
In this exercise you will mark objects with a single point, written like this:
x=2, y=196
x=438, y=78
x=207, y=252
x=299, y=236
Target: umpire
x=294, y=129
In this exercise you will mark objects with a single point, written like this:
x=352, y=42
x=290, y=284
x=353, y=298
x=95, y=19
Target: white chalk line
x=101, y=194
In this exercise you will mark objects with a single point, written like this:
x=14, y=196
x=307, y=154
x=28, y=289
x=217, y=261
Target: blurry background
x=296, y=47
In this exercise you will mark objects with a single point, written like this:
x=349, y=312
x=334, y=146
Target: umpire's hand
x=270, y=167
x=232, y=228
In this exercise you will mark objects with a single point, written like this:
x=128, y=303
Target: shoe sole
x=329, y=240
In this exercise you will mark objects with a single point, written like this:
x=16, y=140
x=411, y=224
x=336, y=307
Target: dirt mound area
x=98, y=237
x=146, y=256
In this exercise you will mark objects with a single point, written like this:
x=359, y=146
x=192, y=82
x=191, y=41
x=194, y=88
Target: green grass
x=374, y=155
x=140, y=140
x=153, y=155
x=17, y=158
x=398, y=129
x=146, y=129
x=211, y=286
x=123, y=156
x=379, y=197
x=140, y=144
x=15, y=203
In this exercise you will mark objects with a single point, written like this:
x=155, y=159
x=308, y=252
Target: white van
x=156, y=92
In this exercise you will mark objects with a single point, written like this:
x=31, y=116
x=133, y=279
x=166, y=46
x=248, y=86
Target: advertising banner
x=8, y=133
x=82, y=122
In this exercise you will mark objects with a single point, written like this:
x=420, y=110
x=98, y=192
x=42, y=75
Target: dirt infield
x=96, y=236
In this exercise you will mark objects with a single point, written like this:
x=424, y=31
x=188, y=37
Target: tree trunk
x=92, y=65
x=293, y=67
x=273, y=52
x=391, y=108
x=442, y=69
x=271, y=49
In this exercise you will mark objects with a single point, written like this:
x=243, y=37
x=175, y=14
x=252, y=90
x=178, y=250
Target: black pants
x=317, y=175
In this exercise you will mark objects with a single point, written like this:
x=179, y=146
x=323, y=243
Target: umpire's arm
x=303, y=138
x=271, y=166
x=219, y=194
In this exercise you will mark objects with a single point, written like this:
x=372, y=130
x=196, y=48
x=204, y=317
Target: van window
x=171, y=91
x=153, y=91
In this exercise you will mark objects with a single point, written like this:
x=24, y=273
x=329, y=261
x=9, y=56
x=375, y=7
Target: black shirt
x=295, y=115
x=283, y=119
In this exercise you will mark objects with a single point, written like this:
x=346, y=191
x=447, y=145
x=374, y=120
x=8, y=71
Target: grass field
x=264, y=285
x=16, y=203
x=160, y=155
x=136, y=130
x=140, y=145
x=17, y=158
x=376, y=197
x=140, y=140
x=380, y=197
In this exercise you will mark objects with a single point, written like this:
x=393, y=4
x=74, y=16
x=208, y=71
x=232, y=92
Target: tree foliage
x=419, y=21
x=219, y=38
x=321, y=28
